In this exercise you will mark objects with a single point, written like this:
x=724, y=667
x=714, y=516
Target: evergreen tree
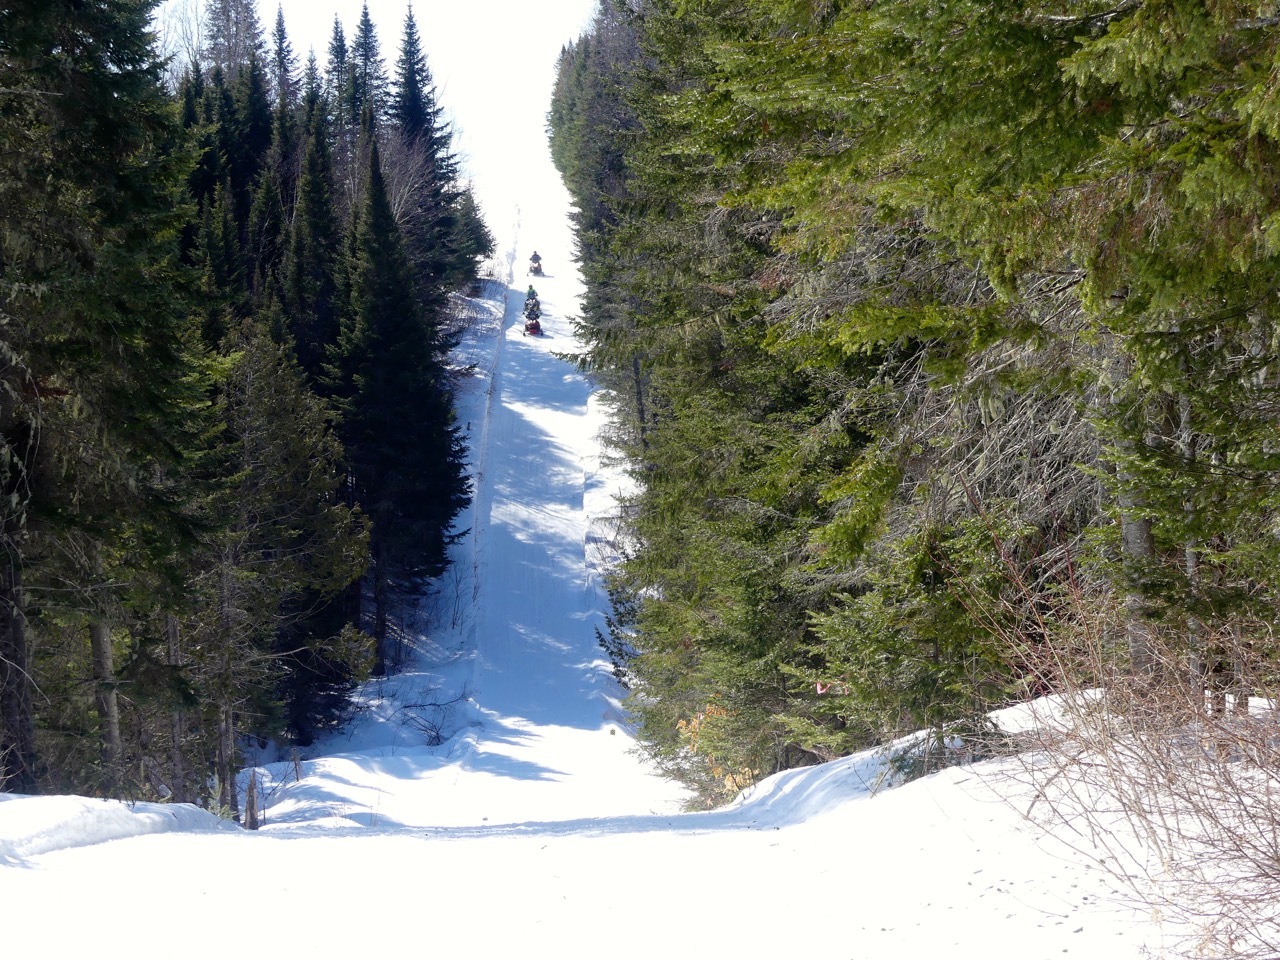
x=444, y=234
x=313, y=95
x=1008, y=266
x=210, y=116
x=275, y=531
x=366, y=82
x=233, y=35
x=284, y=65
x=336, y=71
x=249, y=136
x=95, y=388
x=225, y=285
x=413, y=103
x=175, y=524
x=407, y=471
x=311, y=297
x=267, y=218
x=472, y=238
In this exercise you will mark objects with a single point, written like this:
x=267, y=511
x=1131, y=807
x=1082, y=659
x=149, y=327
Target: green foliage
x=865, y=270
x=916, y=649
x=179, y=539
x=413, y=105
x=275, y=530
x=408, y=476
x=312, y=260
x=96, y=394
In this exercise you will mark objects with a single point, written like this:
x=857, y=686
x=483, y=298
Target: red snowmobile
x=532, y=327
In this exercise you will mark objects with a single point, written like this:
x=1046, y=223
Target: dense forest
x=943, y=340
x=228, y=439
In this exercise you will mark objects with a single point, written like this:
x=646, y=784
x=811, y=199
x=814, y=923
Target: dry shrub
x=1169, y=777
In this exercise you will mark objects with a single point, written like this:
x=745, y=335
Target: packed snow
x=489, y=797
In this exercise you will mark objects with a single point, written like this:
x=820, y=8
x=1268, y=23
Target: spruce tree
x=95, y=392
x=367, y=84
x=264, y=252
x=249, y=136
x=335, y=76
x=413, y=104
x=312, y=259
x=1015, y=268
x=275, y=531
x=233, y=34
x=284, y=64
x=407, y=470
x=312, y=93
x=444, y=233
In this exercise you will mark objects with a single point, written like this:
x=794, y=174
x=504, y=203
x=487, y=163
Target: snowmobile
x=535, y=268
x=532, y=327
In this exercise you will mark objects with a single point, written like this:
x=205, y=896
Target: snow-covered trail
x=812, y=868
x=506, y=710
x=529, y=524
x=547, y=700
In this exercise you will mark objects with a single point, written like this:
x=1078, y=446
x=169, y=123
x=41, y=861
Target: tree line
x=943, y=339
x=229, y=443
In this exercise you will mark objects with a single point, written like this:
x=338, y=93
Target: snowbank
x=31, y=826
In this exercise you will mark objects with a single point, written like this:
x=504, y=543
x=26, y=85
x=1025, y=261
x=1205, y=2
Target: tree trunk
x=105, y=699
x=637, y=379
x=1196, y=634
x=354, y=593
x=1241, y=687
x=1137, y=542
x=227, y=799
x=251, y=802
x=1139, y=546
x=379, y=612
x=17, y=725
x=177, y=720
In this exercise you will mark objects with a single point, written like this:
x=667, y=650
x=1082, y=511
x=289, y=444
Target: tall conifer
x=274, y=530
x=407, y=468
x=97, y=371
x=233, y=34
x=335, y=74
x=311, y=265
x=249, y=136
x=413, y=106
x=367, y=83
x=284, y=64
